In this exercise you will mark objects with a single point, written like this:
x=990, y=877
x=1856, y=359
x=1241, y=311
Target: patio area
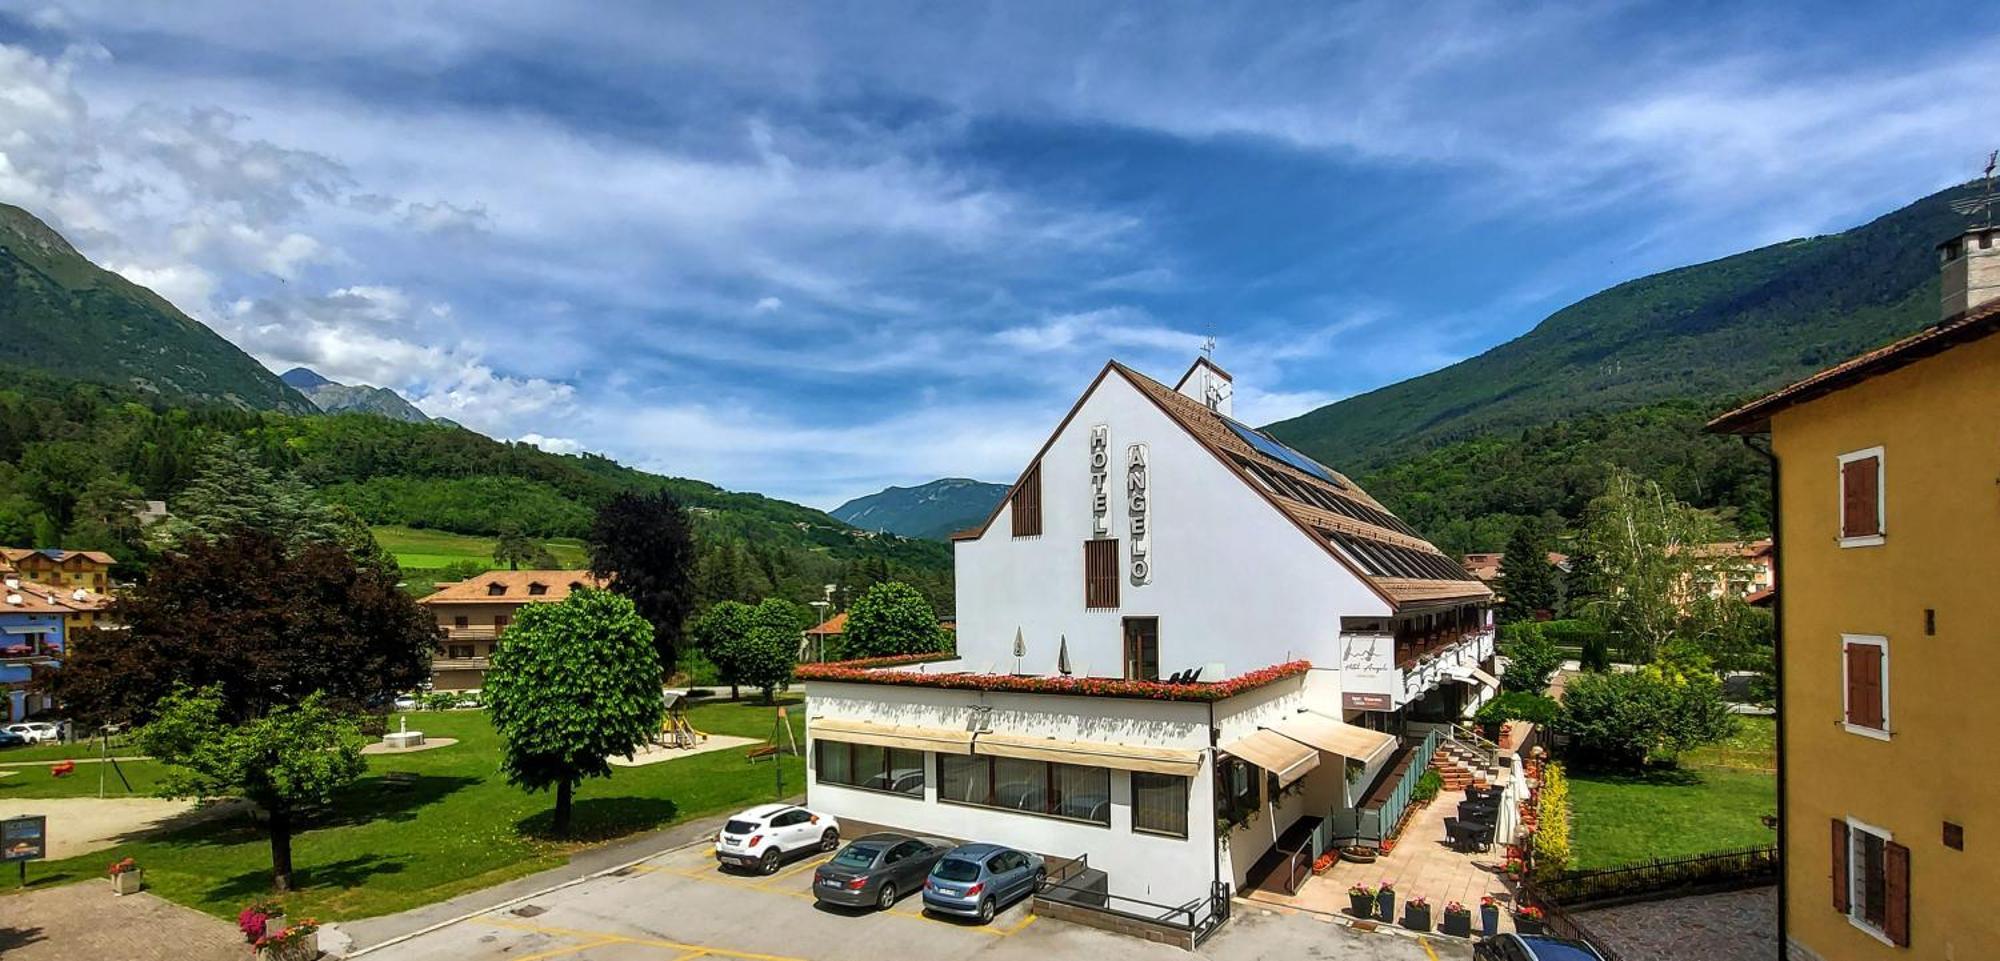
x=1422, y=864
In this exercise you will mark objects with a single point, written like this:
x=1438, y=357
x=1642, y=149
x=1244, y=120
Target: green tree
x=1528, y=582
x=770, y=649
x=105, y=518
x=1629, y=718
x=233, y=491
x=514, y=549
x=572, y=685
x=1649, y=563
x=642, y=546
x=719, y=634
x=286, y=762
x=891, y=619
x=1532, y=658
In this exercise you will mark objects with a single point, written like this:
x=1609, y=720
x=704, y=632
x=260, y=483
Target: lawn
x=429, y=550
x=426, y=826
x=1713, y=802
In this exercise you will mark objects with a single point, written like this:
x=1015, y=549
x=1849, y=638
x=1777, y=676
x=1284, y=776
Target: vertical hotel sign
x=1100, y=481
x=1138, y=512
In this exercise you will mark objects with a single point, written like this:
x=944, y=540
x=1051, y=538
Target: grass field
x=429, y=550
x=426, y=826
x=1713, y=802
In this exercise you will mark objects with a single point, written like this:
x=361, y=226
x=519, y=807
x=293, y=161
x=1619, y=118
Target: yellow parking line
x=606, y=937
x=1426, y=942
x=1016, y=929
x=572, y=949
x=812, y=862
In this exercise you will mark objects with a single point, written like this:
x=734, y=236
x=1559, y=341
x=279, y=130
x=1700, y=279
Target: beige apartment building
x=474, y=613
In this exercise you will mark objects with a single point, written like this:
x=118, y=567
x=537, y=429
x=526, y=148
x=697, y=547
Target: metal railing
x=1398, y=801
x=1197, y=918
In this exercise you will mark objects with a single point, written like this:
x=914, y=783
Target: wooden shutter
x=1840, y=865
x=1864, y=685
x=1100, y=573
x=1860, y=500
x=1026, y=504
x=1896, y=890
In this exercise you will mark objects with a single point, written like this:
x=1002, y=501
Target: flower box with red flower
x=1457, y=920
x=297, y=942
x=126, y=876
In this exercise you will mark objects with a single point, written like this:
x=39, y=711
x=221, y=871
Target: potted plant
x=126, y=877
x=1489, y=916
x=298, y=942
x=1324, y=862
x=1515, y=867
x=1417, y=914
x=1361, y=900
x=1529, y=919
x=1457, y=920
x=1385, y=900
x=260, y=919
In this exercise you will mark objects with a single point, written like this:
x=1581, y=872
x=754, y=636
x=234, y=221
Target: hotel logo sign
x=1138, y=511
x=1100, y=481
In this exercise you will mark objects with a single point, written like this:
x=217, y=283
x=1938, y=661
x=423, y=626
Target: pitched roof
x=1963, y=328
x=837, y=624
x=512, y=587
x=55, y=554
x=1387, y=554
x=39, y=598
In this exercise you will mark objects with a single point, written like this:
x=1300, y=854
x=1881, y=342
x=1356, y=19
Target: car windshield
x=740, y=827
x=956, y=869
x=1553, y=949
x=857, y=856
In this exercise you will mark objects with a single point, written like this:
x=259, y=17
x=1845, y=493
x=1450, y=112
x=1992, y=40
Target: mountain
x=336, y=398
x=932, y=510
x=1711, y=332
x=66, y=316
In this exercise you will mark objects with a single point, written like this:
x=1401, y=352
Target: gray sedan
x=877, y=869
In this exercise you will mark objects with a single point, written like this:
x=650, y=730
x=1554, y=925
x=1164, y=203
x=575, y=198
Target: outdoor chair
x=1465, y=835
x=1484, y=795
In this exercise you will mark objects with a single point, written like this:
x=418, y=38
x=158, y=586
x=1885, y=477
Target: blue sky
x=815, y=249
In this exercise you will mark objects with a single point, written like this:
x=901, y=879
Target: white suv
x=36, y=732
x=765, y=835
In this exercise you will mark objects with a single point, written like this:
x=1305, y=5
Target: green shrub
x=1572, y=633
x=1428, y=785
x=1531, y=657
x=1627, y=719
x=1551, y=838
x=1517, y=706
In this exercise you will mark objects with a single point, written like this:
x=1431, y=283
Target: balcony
x=1383, y=672
x=474, y=632
x=459, y=664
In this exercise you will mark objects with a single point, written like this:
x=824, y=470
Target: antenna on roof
x=1983, y=204
x=1208, y=347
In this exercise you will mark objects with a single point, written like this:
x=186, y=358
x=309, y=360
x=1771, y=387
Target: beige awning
x=1122, y=757
x=941, y=740
x=1335, y=737
x=1485, y=678
x=1471, y=674
x=1276, y=753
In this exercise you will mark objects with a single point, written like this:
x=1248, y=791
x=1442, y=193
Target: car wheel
x=770, y=862
x=829, y=839
x=887, y=899
x=1041, y=878
x=986, y=911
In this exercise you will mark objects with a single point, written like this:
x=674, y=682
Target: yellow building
x=1888, y=521
x=83, y=578
x=476, y=611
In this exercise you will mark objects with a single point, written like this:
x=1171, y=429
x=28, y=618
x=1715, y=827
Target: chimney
x=1208, y=385
x=1971, y=271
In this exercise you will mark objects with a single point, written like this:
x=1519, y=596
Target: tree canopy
x=892, y=618
x=572, y=685
x=770, y=648
x=642, y=546
x=1529, y=585
x=514, y=549
x=1652, y=575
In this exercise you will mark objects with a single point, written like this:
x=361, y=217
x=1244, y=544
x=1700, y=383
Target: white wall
x=1234, y=581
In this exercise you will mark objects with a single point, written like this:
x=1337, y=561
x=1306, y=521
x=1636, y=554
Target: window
x=870, y=767
x=500, y=622
x=459, y=651
x=1159, y=804
x=1045, y=788
x=1100, y=574
x=1025, y=507
x=1865, y=697
x=1861, y=498
x=461, y=622
x=1142, y=648
x=538, y=589
x=1236, y=786
x=495, y=589
x=1871, y=880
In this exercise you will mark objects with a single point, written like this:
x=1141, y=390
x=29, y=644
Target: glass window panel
x=834, y=766
x=1021, y=785
x=871, y=766
x=963, y=779
x=906, y=772
x=1160, y=803
x=1083, y=793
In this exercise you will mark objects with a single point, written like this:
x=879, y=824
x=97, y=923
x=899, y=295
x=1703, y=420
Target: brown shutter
x=1026, y=505
x=1896, y=890
x=1840, y=865
x=1100, y=573
x=1860, y=498
x=1864, y=685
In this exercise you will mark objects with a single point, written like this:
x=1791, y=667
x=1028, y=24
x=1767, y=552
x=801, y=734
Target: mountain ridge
x=932, y=510
x=333, y=397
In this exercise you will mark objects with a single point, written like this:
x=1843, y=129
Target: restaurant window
x=1236, y=795
x=1100, y=574
x=1865, y=671
x=870, y=767
x=1159, y=804
x=1871, y=880
x=1025, y=507
x=1142, y=648
x=1861, y=498
x=1045, y=788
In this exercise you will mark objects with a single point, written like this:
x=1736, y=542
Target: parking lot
x=680, y=906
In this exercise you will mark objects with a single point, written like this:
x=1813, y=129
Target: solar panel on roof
x=1279, y=452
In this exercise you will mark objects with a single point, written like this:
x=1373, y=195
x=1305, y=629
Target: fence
x=1075, y=892
x=1398, y=800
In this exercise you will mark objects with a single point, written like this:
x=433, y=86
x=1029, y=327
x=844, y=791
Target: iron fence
x=1743, y=866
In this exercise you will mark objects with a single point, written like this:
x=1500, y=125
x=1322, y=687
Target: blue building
x=32, y=638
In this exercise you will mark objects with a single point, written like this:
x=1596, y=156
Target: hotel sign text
x=1138, y=511
x=1100, y=481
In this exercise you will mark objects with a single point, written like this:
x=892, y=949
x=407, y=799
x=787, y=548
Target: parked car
x=37, y=732
x=764, y=836
x=877, y=869
x=11, y=739
x=406, y=702
x=1533, y=947
x=977, y=880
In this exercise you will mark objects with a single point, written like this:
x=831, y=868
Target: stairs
x=1461, y=766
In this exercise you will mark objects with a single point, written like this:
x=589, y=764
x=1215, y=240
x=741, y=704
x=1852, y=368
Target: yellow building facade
x=1889, y=539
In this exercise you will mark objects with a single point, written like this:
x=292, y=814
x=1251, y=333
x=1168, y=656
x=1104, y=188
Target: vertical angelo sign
x=1138, y=513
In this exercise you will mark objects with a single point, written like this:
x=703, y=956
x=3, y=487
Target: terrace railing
x=1391, y=806
x=1072, y=891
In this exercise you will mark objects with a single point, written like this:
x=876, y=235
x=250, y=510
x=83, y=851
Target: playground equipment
x=782, y=730
x=675, y=731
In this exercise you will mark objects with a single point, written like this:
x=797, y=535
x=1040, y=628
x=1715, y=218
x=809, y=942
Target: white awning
x=1122, y=757
x=941, y=740
x=1276, y=753
x=1335, y=737
x=1471, y=674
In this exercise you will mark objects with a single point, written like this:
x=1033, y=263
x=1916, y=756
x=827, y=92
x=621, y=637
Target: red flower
x=857, y=672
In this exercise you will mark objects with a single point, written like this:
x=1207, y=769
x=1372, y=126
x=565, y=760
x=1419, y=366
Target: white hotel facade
x=1221, y=644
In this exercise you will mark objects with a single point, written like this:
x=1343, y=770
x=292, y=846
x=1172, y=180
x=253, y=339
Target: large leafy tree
x=1649, y=564
x=770, y=648
x=1528, y=582
x=513, y=548
x=1630, y=718
x=719, y=634
x=232, y=490
x=572, y=685
x=892, y=618
x=265, y=623
x=286, y=762
x=642, y=546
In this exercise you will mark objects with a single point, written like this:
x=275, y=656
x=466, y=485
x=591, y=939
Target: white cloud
x=554, y=445
x=765, y=305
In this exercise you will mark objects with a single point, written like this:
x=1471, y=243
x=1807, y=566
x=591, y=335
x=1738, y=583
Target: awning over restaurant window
x=1471, y=674
x=1335, y=737
x=1121, y=757
x=1276, y=753
x=941, y=740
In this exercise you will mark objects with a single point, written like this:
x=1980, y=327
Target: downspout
x=1214, y=771
x=1778, y=583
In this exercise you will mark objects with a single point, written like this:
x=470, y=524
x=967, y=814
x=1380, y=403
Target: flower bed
x=858, y=672
x=872, y=663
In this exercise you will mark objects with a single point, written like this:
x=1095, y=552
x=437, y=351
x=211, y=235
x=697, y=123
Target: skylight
x=1282, y=454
